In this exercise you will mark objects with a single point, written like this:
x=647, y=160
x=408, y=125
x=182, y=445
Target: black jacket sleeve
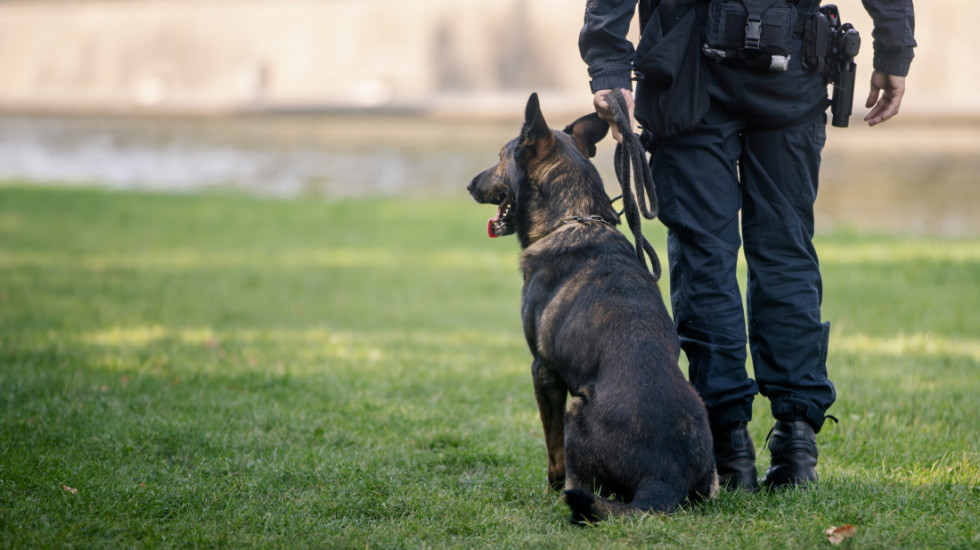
x=893, y=34
x=603, y=44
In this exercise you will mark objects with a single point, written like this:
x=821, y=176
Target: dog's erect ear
x=587, y=131
x=536, y=137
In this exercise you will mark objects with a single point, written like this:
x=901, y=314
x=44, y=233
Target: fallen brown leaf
x=836, y=535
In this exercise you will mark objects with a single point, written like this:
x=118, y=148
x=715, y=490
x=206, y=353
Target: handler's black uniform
x=756, y=151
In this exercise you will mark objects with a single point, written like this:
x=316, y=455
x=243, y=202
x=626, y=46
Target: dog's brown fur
x=597, y=327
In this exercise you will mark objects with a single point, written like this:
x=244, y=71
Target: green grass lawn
x=227, y=371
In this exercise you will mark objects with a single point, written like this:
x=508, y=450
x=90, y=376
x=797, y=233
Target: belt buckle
x=753, y=34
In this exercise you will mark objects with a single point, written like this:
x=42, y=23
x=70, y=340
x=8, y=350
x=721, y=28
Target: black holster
x=829, y=47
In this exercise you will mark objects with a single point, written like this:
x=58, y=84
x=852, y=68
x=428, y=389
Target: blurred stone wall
x=476, y=57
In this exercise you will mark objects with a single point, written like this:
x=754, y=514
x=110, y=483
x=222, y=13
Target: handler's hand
x=605, y=112
x=891, y=89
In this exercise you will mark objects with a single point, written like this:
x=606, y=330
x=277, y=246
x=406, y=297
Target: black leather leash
x=644, y=199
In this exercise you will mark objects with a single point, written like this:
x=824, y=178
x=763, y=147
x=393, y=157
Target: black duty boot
x=735, y=459
x=793, y=445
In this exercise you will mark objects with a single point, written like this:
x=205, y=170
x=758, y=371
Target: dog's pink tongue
x=490, y=231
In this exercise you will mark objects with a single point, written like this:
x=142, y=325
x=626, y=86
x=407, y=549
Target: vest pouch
x=750, y=33
x=671, y=91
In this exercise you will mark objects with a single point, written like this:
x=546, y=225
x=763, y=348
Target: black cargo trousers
x=747, y=176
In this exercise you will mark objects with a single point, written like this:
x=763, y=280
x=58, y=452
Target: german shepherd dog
x=635, y=429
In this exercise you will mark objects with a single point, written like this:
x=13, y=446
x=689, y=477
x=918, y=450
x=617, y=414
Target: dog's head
x=527, y=166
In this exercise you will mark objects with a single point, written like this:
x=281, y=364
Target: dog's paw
x=555, y=483
x=583, y=506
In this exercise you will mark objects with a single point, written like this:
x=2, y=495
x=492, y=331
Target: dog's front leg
x=551, y=393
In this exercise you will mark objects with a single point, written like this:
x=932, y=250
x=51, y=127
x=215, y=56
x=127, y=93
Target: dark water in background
x=902, y=177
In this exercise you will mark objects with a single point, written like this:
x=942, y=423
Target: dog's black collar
x=592, y=218
x=579, y=219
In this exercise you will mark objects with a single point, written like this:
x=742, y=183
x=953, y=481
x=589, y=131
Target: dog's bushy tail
x=654, y=496
x=588, y=508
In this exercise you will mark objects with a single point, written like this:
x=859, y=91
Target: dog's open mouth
x=503, y=223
